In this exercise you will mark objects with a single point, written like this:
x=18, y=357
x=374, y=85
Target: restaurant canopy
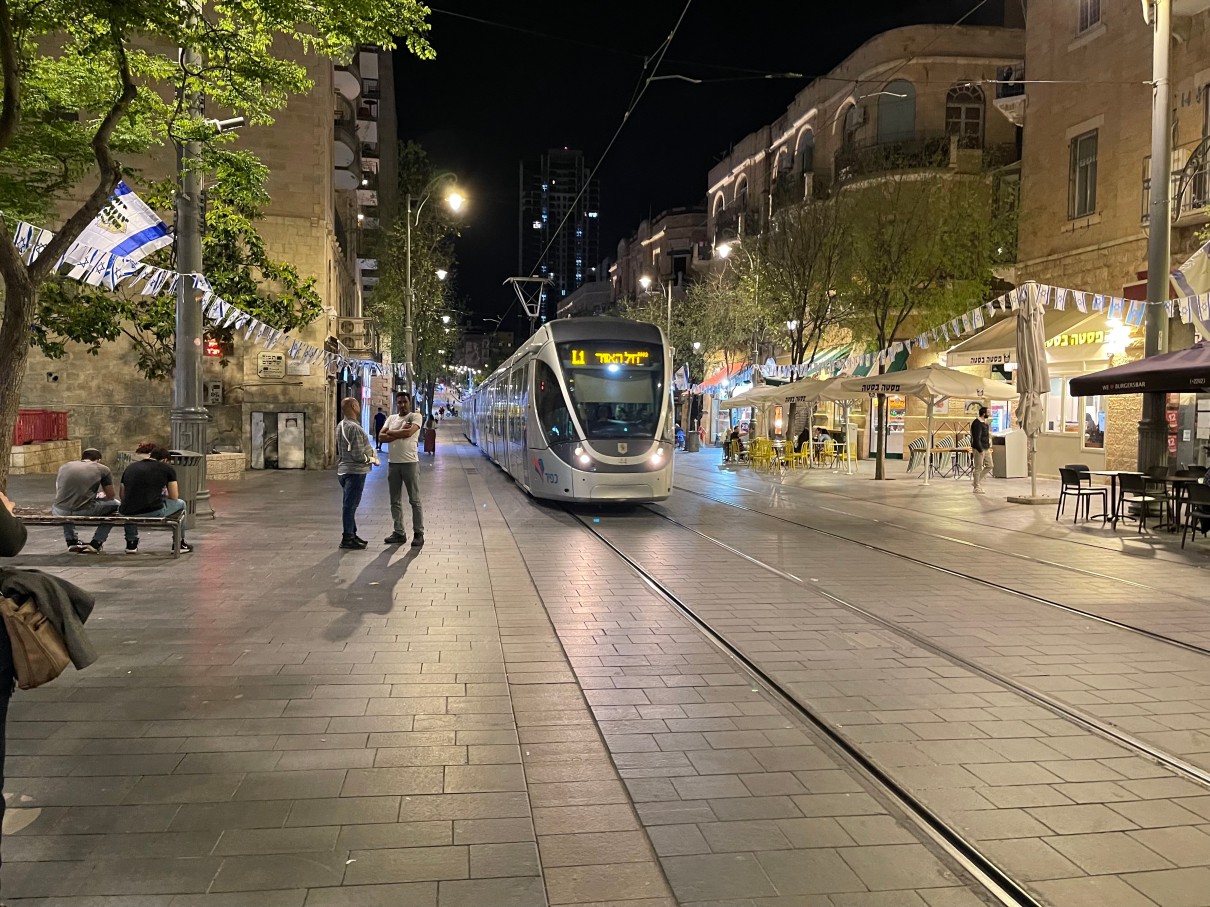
x=759, y=395
x=804, y=390
x=932, y=383
x=1184, y=371
x=997, y=343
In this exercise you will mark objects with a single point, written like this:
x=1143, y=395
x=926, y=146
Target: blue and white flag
x=1193, y=278
x=1081, y=299
x=1060, y=299
x=1098, y=302
x=126, y=227
x=1116, y=304
x=1136, y=313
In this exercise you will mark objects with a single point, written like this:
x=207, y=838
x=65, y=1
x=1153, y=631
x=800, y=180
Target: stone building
x=329, y=154
x=915, y=97
x=668, y=250
x=1085, y=104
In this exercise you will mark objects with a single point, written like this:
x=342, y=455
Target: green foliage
x=433, y=230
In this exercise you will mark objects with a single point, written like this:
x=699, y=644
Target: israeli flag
x=126, y=227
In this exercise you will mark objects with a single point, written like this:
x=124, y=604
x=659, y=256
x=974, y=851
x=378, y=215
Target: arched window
x=964, y=115
x=719, y=204
x=741, y=193
x=783, y=163
x=854, y=119
x=804, y=151
x=897, y=111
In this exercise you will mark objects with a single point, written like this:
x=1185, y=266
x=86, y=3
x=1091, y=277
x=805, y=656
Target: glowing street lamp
x=442, y=273
x=645, y=282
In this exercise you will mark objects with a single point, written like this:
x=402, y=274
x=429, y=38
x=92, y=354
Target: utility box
x=188, y=465
x=1010, y=455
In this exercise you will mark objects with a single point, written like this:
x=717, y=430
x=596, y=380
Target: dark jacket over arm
x=12, y=534
x=65, y=605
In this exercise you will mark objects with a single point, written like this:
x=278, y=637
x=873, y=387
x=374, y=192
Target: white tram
x=581, y=412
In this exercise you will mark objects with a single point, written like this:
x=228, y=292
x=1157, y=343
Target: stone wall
x=44, y=458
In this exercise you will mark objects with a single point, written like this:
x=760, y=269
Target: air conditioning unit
x=354, y=333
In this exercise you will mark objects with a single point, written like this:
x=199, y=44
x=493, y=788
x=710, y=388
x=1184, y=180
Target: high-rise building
x=560, y=209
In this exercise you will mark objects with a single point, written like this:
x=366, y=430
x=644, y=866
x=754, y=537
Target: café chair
x=1072, y=486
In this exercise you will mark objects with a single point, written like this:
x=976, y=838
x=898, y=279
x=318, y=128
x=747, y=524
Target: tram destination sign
x=589, y=356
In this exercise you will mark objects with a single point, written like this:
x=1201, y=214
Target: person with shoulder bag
x=355, y=457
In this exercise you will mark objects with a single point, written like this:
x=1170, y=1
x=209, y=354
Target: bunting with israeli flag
x=126, y=227
x=1193, y=279
x=1060, y=302
x=1136, y=313
x=1116, y=305
x=1081, y=299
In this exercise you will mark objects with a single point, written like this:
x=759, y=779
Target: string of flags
x=1192, y=309
x=100, y=268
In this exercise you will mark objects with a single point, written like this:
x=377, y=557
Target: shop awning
x=1185, y=371
x=898, y=364
x=715, y=381
x=825, y=358
x=997, y=343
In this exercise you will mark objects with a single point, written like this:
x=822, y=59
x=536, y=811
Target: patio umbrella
x=1033, y=375
x=1181, y=372
x=933, y=384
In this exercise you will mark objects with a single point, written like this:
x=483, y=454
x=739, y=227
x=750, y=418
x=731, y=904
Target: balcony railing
x=1190, y=185
x=919, y=152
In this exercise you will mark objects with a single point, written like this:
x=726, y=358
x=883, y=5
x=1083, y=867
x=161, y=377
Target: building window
x=805, y=152
x=1090, y=14
x=897, y=112
x=854, y=119
x=1082, y=185
x=1067, y=415
x=964, y=115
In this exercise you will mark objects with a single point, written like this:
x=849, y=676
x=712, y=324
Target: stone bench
x=175, y=522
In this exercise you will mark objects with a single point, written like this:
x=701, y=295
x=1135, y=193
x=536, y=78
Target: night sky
x=541, y=74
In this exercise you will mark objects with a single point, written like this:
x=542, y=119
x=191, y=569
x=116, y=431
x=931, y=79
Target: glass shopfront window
x=1085, y=416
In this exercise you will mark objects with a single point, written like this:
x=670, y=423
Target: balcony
x=735, y=220
x=347, y=80
x=964, y=154
x=1010, y=97
x=1190, y=184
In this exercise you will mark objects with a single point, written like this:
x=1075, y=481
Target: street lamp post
x=645, y=281
x=454, y=200
x=1153, y=427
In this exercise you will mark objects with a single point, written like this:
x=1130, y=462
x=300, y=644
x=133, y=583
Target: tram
x=582, y=411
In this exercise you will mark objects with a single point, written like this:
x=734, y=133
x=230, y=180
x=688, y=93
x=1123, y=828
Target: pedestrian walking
x=380, y=419
x=354, y=458
x=981, y=451
x=150, y=489
x=401, y=432
x=76, y=488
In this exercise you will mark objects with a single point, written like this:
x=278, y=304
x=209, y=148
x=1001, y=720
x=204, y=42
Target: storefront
x=1076, y=429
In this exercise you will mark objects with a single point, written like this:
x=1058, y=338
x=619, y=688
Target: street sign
x=270, y=365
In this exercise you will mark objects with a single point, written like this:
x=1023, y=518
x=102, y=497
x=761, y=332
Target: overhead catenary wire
x=650, y=67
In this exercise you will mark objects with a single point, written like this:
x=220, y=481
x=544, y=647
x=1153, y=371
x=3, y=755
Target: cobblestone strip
x=832, y=503
x=1156, y=692
x=744, y=808
x=1039, y=795
x=593, y=849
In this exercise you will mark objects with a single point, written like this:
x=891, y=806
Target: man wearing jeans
x=76, y=495
x=981, y=451
x=150, y=489
x=401, y=431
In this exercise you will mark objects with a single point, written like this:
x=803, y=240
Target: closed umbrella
x=1033, y=374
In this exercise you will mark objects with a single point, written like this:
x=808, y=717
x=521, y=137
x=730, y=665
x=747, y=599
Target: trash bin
x=692, y=441
x=188, y=465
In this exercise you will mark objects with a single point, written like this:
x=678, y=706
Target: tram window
x=551, y=406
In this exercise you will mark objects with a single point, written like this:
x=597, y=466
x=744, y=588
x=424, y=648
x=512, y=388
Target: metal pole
x=669, y=329
x=188, y=417
x=1153, y=429
x=409, y=344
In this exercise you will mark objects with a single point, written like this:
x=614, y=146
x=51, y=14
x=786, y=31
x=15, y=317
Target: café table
x=1112, y=475
x=1179, y=484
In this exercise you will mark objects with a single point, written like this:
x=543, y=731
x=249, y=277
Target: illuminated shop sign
x=1078, y=338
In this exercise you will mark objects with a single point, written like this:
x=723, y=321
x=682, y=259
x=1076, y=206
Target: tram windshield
x=616, y=388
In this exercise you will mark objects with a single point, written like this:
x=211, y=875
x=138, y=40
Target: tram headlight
x=579, y=451
x=659, y=453
x=585, y=459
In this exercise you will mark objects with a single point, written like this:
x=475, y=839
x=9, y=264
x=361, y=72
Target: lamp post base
x=189, y=433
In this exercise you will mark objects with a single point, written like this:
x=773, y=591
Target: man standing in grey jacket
x=354, y=457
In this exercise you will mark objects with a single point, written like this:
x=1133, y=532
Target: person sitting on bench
x=149, y=489
x=76, y=488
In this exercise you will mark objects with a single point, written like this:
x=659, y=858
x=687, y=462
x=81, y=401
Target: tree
x=435, y=311
x=801, y=259
x=234, y=259
x=922, y=250
x=88, y=84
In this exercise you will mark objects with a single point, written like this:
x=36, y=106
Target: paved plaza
x=512, y=717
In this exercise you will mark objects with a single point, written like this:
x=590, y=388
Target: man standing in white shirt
x=403, y=468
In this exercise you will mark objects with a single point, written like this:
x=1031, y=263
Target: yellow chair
x=827, y=453
x=797, y=458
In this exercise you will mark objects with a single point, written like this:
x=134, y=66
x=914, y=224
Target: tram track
x=941, y=516
x=980, y=580
x=995, y=881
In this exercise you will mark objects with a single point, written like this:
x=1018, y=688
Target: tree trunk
x=880, y=462
x=20, y=299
